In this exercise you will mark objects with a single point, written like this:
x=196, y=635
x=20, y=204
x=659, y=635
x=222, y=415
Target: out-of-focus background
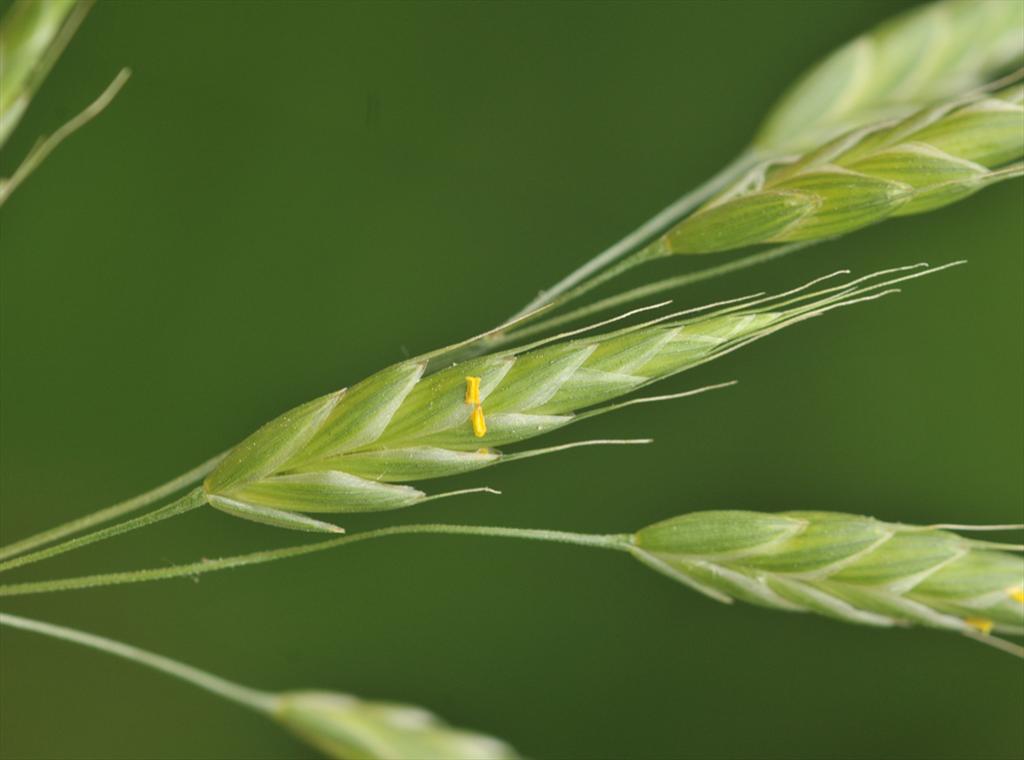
x=288, y=197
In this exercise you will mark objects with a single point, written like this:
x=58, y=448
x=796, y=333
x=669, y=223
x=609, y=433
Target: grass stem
x=46, y=145
x=642, y=234
x=614, y=541
x=660, y=286
x=257, y=700
x=192, y=500
x=112, y=512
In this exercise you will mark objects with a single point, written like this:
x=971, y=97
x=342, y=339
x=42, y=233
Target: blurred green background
x=287, y=197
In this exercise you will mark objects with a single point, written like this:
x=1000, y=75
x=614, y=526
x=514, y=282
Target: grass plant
x=905, y=119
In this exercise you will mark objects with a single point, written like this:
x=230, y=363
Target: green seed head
x=357, y=450
x=928, y=160
x=852, y=568
x=347, y=728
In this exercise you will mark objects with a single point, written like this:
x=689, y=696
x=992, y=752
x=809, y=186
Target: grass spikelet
x=356, y=450
x=848, y=567
x=928, y=160
x=917, y=58
x=344, y=727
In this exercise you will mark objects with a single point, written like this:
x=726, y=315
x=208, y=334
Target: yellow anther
x=479, y=424
x=472, y=390
x=982, y=624
x=1017, y=594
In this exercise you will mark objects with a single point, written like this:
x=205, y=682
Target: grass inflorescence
x=356, y=450
x=923, y=162
x=897, y=122
x=852, y=568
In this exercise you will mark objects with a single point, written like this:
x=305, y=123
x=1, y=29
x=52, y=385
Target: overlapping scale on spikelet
x=356, y=450
x=852, y=568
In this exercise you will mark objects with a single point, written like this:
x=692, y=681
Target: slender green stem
x=192, y=500
x=112, y=512
x=642, y=234
x=616, y=541
x=617, y=269
x=660, y=286
x=46, y=145
x=257, y=700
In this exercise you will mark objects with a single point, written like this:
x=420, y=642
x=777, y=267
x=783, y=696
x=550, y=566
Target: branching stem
x=192, y=500
x=111, y=512
x=654, y=288
x=642, y=234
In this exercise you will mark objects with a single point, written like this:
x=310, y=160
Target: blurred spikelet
x=347, y=728
x=926, y=55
